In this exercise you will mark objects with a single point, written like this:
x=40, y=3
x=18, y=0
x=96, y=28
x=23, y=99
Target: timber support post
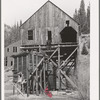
x=37, y=92
x=13, y=90
x=44, y=75
x=59, y=80
x=17, y=71
x=41, y=80
x=27, y=75
x=33, y=69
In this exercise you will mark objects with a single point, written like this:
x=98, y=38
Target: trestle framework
x=34, y=63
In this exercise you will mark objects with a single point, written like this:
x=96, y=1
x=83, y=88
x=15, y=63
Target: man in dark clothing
x=51, y=77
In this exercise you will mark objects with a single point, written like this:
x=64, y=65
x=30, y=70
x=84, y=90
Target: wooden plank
x=18, y=90
x=76, y=60
x=13, y=90
x=17, y=69
x=68, y=57
x=59, y=80
x=57, y=56
x=48, y=50
x=27, y=61
x=69, y=80
x=52, y=61
x=39, y=48
x=38, y=64
x=17, y=65
x=37, y=92
x=41, y=79
x=44, y=77
x=22, y=72
x=53, y=54
x=22, y=64
x=68, y=65
x=33, y=85
x=52, y=46
x=40, y=85
x=33, y=69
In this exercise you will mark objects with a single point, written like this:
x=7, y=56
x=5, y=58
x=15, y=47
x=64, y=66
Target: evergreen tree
x=75, y=16
x=82, y=15
x=83, y=18
x=88, y=18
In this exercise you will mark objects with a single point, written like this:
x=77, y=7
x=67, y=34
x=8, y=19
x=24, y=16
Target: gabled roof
x=54, y=5
x=64, y=12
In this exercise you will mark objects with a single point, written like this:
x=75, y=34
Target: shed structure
x=49, y=50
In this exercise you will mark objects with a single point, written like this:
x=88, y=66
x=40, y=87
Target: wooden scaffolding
x=34, y=60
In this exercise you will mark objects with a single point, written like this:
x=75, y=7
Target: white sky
x=14, y=10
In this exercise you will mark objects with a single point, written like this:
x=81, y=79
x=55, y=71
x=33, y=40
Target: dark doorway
x=68, y=34
x=49, y=36
x=49, y=40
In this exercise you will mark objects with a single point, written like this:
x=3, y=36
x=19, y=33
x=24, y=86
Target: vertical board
x=24, y=66
x=20, y=64
x=15, y=77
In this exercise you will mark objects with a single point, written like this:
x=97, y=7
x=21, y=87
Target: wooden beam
x=33, y=69
x=68, y=57
x=76, y=60
x=69, y=80
x=39, y=48
x=48, y=50
x=33, y=85
x=67, y=63
x=41, y=79
x=22, y=64
x=52, y=46
x=17, y=70
x=13, y=90
x=44, y=75
x=17, y=65
x=27, y=61
x=59, y=86
x=37, y=92
x=40, y=85
x=68, y=45
x=57, y=56
x=38, y=64
x=22, y=72
x=63, y=82
x=18, y=90
x=52, y=61
x=52, y=54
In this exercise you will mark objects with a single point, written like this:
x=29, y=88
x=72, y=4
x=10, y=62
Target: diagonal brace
x=68, y=57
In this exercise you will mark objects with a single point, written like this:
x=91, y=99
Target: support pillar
x=59, y=80
x=17, y=73
x=41, y=80
x=33, y=76
x=37, y=92
x=27, y=61
x=44, y=75
x=13, y=90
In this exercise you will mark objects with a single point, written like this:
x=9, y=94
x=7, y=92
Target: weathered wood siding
x=48, y=17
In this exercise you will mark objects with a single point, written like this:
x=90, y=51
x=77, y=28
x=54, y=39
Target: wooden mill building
x=49, y=42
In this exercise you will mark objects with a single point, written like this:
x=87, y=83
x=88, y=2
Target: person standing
x=51, y=77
